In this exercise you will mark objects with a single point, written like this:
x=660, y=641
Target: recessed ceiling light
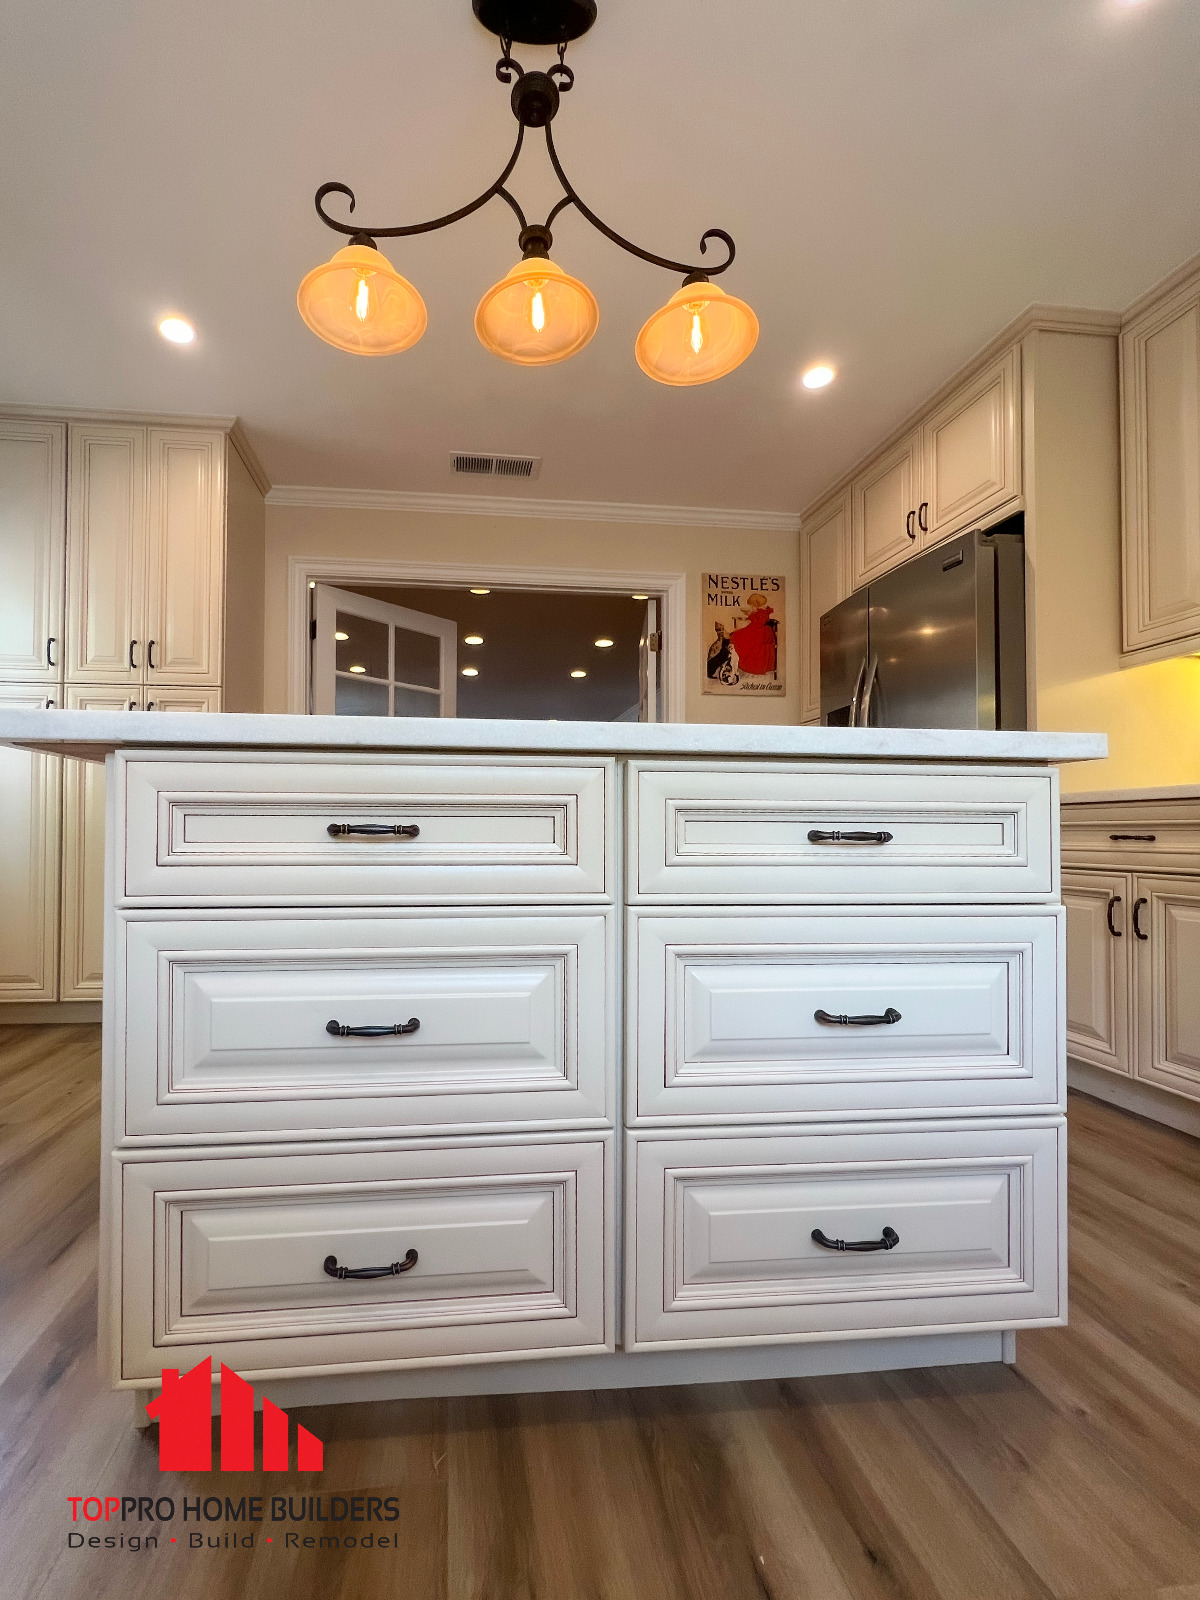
x=340, y=635
x=358, y=669
x=473, y=638
x=639, y=597
x=177, y=330
x=579, y=673
x=481, y=591
x=470, y=672
x=818, y=377
x=603, y=644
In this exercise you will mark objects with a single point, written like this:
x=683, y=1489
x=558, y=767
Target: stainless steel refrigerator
x=937, y=643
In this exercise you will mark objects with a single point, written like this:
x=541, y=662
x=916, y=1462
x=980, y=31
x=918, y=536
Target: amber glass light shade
x=359, y=302
x=700, y=334
x=536, y=314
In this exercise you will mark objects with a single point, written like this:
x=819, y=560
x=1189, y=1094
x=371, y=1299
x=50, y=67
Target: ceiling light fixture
x=639, y=597
x=473, y=638
x=818, y=377
x=470, y=672
x=340, y=635
x=604, y=644
x=537, y=313
x=177, y=329
x=481, y=591
x=358, y=669
x=579, y=673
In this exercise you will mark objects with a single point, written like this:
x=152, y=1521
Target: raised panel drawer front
x=226, y=1255
x=775, y=834
x=1152, y=833
x=257, y=831
x=223, y=1022
x=739, y=1017
x=724, y=1227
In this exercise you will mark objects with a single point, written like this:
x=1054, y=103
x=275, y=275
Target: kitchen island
x=450, y=1056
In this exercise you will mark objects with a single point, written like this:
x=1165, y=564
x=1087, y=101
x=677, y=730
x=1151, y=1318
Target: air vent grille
x=481, y=466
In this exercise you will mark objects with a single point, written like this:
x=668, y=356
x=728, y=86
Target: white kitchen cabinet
x=32, y=550
x=884, y=500
x=106, y=544
x=824, y=583
x=146, y=524
x=1168, y=1042
x=971, y=452
x=30, y=802
x=169, y=697
x=185, y=557
x=1160, y=442
x=1100, y=955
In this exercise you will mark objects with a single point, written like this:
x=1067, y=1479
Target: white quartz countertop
x=92, y=733
x=1181, y=791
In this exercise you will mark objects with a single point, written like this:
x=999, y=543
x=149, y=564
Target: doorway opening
x=490, y=651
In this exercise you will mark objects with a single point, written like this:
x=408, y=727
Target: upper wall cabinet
x=970, y=458
x=32, y=550
x=146, y=515
x=824, y=581
x=185, y=576
x=1160, y=427
x=883, y=515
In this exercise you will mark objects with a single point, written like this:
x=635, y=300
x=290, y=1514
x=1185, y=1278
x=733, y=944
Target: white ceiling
x=902, y=178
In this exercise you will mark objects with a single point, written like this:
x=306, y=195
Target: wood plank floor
x=1075, y=1473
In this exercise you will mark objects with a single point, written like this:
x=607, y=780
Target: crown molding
x=145, y=419
x=1168, y=286
x=486, y=505
x=1034, y=319
x=239, y=441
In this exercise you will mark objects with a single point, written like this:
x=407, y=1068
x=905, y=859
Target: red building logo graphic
x=184, y=1415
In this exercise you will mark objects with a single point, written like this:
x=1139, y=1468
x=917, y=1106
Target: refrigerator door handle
x=854, y=698
x=868, y=689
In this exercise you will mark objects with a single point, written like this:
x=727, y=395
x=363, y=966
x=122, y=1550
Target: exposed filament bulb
x=697, y=335
x=362, y=300
x=537, y=309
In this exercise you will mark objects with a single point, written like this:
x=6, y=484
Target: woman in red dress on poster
x=754, y=641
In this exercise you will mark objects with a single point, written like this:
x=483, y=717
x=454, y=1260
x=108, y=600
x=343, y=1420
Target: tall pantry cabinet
x=131, y=554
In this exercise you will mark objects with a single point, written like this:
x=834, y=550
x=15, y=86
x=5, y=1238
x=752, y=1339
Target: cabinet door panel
x=970, y=452
x=1160, y=359
x=33, y=476
x=186, y=557
x=106, y=519
x=1168, y=994
x=1099, y=968
x=824, y=582
x=30, y=796
x=881, y=500
x=176, y=699
x=81, y=957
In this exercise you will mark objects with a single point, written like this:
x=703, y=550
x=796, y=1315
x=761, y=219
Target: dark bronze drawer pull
x=1143, y=838
x=394, y=1271
x=836, y=836
x=888, y=1241
x=1113, y=900
x=1137, y=927
x=343, y=1030
x=402, y=830
x=889, y=1016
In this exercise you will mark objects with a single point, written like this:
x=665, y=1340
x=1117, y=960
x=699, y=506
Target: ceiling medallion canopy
x=537, y=313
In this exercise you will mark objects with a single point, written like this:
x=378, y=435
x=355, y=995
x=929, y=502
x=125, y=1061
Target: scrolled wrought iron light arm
x=535, y=101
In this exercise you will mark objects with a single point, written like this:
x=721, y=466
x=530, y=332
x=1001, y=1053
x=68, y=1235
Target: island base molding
x=1129, y=1094
x=636, y=1369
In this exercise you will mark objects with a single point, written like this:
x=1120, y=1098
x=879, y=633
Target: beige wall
x=246, y=519
x=492, y=542
x=1150, y=713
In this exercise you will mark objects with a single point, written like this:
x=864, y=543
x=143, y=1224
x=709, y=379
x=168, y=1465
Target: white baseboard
x=43, y=1011
x=1132, y=1094
x=647, y=1369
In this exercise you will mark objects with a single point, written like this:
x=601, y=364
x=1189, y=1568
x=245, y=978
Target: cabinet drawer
x=225, y=1255
x=746, y=833
x=724, y=1023
x=1163, y=834
x=224, y=1027
x=725, y=1253
x=257, y=831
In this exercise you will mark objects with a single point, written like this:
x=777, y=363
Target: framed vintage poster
x=742, y=629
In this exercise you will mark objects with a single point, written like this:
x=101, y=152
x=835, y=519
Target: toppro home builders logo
x=219, y=1522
